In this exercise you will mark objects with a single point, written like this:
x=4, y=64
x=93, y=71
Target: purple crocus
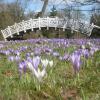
x=17, y=52
x=22, y=67
x=86, y=53
x=27, y=54
x=36, y=61
x=56, y=54
x=37, y=51
x=29, y=59
x=65, y=57
x=93, y=50
x=17, y=58
x=11, y=58
x=7, y=52
x=76, y=61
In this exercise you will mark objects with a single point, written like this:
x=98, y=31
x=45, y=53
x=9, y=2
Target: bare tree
x=41, y=13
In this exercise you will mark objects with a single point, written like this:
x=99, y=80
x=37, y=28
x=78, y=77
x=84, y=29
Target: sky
x=33, y=5
x=36, y=5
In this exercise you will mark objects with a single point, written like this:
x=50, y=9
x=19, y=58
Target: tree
x=10, y=13
x=42, y=12
x=95, y=18
x=16, y=10
x=53, y=11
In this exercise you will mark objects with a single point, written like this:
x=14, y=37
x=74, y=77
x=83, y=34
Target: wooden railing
x=74, y=25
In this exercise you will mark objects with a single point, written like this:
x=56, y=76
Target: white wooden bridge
x=74, y=25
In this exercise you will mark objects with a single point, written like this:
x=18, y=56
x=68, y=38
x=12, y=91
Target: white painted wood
x=10, y=34
x=56, y=22
x=24, y=26
x=47, y=23
x=39, y=19
x=17, y=31
x=96, y=26
x=56, y=19
x=31, y=21
x=3, y=33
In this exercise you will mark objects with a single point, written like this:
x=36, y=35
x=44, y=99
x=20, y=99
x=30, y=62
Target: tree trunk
x=43, y=8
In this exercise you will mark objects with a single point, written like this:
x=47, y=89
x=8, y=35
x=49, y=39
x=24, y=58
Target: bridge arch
x=74, y=25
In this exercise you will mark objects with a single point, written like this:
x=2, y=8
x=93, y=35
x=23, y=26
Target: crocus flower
x=83, y=46
x=17, y=58
x=76, y=61
x=22, y=67
x=51, y=63
x=16, y=52
x=29, y=59
x=11, y=58
x=93, y=50
x=7, y=52
x=44, y=62
x=27, y=54
x=30, y=66
x=60, y=58
x=38, y=74
x=36, y=61
x=85, y=53
x=65, y=57
x=56, y=54
x=37, y=51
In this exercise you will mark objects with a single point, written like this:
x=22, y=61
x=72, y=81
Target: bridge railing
x=31, y=24
x=56, y=22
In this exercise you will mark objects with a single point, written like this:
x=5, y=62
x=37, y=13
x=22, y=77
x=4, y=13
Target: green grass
x=60, y=83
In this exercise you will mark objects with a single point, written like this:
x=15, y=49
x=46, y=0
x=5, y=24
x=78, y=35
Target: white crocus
x=83, y=46
x=38, y=74
x=32, y=54
x=30, y=66
x=51, y=63
x=44, y=63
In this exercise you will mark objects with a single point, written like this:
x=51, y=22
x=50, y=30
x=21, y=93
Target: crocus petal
x=30, y=66
x=44, y=62
x=36, y=62
x=51, y=63
x=76, y=61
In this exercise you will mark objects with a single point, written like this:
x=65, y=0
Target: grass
x=60, y=83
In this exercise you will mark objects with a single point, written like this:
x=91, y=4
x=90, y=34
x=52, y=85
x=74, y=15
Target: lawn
x=50, y=69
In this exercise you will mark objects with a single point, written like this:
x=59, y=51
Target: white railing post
x=5, y=39
x=16, y=29
x=56, y=19
x=2, y=33
x=31, y=24
x=91, y=28
x=64, y=27
x=9, y=31
x=48, y=23
x=39, y=19
x=24, y=26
